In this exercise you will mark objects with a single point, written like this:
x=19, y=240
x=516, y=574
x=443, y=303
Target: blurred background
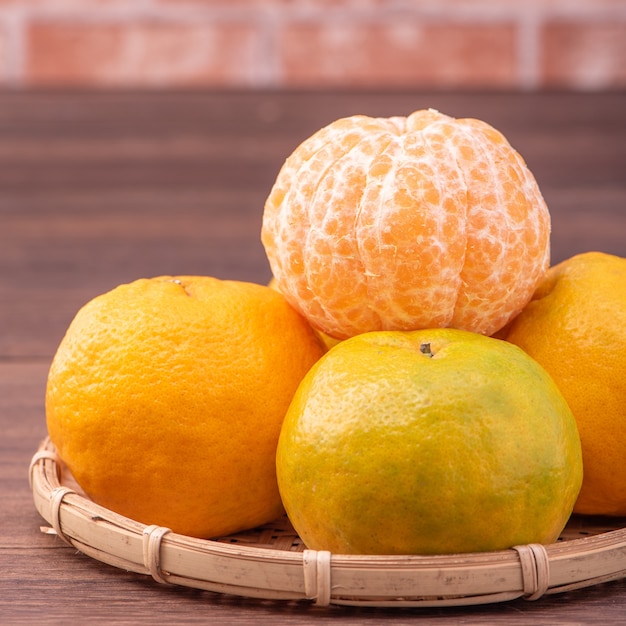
x=472, y=44
x=142, y=137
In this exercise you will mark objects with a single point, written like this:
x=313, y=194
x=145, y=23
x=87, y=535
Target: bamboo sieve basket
x=271, y=562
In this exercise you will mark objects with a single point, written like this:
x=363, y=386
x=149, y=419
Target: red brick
x=140, y=54
x=399, y=53
x=4, y=62
x=522, y=7
x=84, y=6
x=584, y=55
x=287, y=4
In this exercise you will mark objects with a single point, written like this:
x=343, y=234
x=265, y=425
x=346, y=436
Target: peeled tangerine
x=403, y=223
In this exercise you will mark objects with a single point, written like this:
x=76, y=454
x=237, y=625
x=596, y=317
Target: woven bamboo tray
x=271, y=562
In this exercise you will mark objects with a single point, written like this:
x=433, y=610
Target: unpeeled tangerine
x=404, y=223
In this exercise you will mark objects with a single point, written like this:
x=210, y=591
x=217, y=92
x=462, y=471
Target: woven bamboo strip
x=251, y=568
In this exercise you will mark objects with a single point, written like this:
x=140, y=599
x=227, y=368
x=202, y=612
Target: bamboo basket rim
x=271, y=563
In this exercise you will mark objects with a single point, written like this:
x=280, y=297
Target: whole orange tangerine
x=404, y=223
x=575, y=326
x=166, y=396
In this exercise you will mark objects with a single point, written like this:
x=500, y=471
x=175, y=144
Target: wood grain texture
x=99, y=188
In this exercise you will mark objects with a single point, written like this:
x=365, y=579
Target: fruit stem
x=425, y=349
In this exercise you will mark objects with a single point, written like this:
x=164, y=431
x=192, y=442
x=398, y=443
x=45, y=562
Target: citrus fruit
x=575, y=326
x=166, y=396
x=427, y=442
x=327, y=340
x=403, y=223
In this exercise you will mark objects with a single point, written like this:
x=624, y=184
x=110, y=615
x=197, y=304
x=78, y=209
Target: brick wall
x=578, y=44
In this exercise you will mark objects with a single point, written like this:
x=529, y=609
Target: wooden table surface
x=101, y=188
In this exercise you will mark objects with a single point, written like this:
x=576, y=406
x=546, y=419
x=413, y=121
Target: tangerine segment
x=404, y=223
